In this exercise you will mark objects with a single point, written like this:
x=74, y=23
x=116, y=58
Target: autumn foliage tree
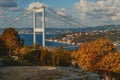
x=91, y=53
x=12, y=39
x=111, y=64
x=98, y=55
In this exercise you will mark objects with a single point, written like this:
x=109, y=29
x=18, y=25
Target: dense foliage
x=3, y=49
x=12, y=40
x=99, y=55
x=17, y=53
x=45, y=56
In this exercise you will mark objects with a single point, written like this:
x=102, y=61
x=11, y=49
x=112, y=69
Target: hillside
x=60, y=30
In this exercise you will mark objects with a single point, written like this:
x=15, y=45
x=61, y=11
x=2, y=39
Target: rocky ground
x=44, y=73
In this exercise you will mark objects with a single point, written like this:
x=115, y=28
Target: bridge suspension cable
x=20, y=17
x=64, y=18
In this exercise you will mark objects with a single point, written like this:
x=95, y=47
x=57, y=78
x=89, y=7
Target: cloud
x=98, y=12
x=35, y=5
x=63, y=11
x=8, y=3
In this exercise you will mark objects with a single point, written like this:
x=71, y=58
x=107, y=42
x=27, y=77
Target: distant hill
x=58, y=30
x=104, y=27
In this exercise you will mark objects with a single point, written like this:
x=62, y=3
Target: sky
x=87, y=12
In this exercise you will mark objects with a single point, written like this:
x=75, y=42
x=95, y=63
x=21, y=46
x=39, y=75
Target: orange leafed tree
x=91, y=53
x=110, y=62
x=12, y=39
x=99, y=56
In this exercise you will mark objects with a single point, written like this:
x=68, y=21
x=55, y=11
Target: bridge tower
x=35, y=29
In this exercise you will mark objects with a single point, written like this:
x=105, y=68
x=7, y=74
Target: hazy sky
x=88, y=12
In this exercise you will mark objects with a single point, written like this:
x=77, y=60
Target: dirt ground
x=37, y=73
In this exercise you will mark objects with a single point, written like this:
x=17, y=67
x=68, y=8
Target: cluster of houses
x=81, y=37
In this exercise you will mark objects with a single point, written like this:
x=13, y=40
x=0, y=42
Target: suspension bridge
x=48, y=27
x=43, y=20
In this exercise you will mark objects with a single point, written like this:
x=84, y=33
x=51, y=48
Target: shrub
x=46, y=57
x=61, y=57
x=28, y=54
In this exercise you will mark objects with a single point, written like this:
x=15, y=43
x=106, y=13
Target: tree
x=2, y=44
x=110, y=64
x=3, y=49
x=91, y=53
x=12, y=40
x=99, y=56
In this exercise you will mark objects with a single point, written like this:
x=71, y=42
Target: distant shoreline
x=64, y=42
x=28, y=39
